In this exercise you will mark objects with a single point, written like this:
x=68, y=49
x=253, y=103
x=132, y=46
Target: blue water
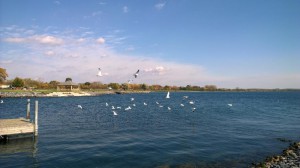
x=215, y=135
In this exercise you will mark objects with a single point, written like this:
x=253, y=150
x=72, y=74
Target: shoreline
x=23, y=94
x=289, y=158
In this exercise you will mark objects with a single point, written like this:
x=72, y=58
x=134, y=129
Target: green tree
x=114, y=86
x=144, y=86
x=125, y=86
x=3, y=75
x=18, y=82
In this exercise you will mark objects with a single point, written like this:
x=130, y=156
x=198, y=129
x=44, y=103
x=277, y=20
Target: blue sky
x=229, y=43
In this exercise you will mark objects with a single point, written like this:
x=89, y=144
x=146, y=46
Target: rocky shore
x=290, y=158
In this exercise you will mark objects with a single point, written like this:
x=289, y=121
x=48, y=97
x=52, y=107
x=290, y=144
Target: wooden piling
x=36, y=118
x=28, y=109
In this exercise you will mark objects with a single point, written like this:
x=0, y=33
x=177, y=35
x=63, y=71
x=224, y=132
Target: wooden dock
x=20, y=127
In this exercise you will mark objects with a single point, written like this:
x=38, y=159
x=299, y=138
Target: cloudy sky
x=232, y=43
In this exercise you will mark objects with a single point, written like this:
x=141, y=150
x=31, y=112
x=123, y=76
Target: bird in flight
x=99, y=72
x=136, y=74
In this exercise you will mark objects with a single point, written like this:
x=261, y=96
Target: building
x=68, y=85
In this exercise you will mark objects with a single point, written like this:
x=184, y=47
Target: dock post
x=36, y=118
x=28, y=109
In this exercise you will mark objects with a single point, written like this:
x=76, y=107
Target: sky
x=227, y=43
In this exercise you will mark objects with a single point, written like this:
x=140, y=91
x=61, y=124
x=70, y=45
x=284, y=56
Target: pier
x=20, y=127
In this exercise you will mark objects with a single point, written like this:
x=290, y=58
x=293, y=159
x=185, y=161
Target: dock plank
x=15, y=126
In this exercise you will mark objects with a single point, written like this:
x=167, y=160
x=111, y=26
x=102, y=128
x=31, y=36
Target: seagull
x=118, y=107
x=79, y=106
x=145, y=104
x=185, y=97
x=113, y=107
x=161, y=106
x=156, y=102
x=193, y=109
x=115, y=113
x=106, y=104
x=99, y=72
x=128, y=108
x=192, y=102
x=230, y=105
x=1, y=101
x=130, y=80
x=136, y=74
x=181, y=105
x=133, y=105
x=132, y=99
x=169, y=108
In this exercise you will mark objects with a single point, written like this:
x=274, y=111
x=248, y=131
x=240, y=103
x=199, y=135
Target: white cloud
x=80, y=40
x=39, y=39
x=125, y=9
x=100, y=40
x=44, y=39
x=15, y=40
x=160, y=6
x=49, y=53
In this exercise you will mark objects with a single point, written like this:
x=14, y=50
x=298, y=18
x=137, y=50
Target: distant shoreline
x=51, y=93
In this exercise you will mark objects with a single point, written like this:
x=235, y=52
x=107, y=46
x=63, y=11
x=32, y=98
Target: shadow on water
x=27, y=147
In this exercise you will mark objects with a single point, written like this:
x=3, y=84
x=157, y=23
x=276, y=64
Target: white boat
x=168, y=95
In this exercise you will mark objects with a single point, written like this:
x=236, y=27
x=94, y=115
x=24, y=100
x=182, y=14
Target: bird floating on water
x=133, y=105
x=192, y=102
x=1, y=101
x=118, y=107
x=193, y=109
x=115, y=113
x=128, y=108
x=185, y=97
x=113, y=107
x=229, y=105
x=145, y=104
x=79, y=106
x=156, y=102
x=136, y=74
x=106, y=104
x=132, y=99
x=181, y=105
x=169, y=108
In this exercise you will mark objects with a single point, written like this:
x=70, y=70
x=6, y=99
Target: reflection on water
x=27, y=147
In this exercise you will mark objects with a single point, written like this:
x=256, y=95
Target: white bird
x=169, y=108
x=156, y=102
x=161, y=106
x=181, y=105
x=113, y=107
x=230, y=105
x=145, y=104
x=106, y=104
x=115, y=113
x=136, y=74
x=1, y=101
x=128, y=108
x=132, y=99
x=193, y=109
x=99, y=72
x=79, y=106
x=192, y=102
x=133, y=105
x=130, y=80
x=118, y=107
x=185, y=97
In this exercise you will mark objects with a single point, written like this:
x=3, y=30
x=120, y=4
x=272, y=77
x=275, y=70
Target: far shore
x=49, y=93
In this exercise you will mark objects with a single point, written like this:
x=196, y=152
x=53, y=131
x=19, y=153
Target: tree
x=114, y=86
x=144, y=86
x=3, y=75
x=18, y=82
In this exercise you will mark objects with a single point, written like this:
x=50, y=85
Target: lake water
x=214, y=135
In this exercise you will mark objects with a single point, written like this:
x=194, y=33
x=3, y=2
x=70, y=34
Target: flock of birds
x=113, y=108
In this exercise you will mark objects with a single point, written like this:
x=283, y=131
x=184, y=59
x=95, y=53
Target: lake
x=214, y=134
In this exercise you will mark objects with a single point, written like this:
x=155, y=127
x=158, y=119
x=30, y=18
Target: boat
x=168, y=95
